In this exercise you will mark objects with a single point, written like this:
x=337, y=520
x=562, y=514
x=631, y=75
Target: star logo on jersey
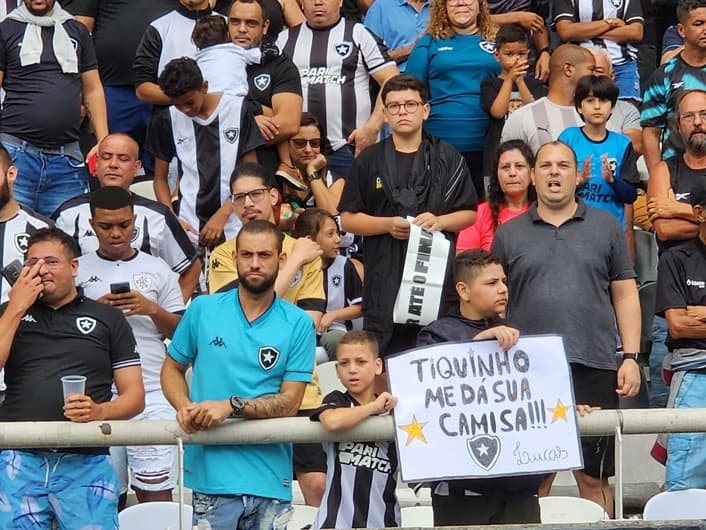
x=337, y=280
x=487, y=46
x=21, y=242
x=135, y=234
x=344, y=49
x=142, y=281
x=297, y=278
x=262, y=81
x=268, y=357
x=85, y=324
x=231, y=134
x=484, y=450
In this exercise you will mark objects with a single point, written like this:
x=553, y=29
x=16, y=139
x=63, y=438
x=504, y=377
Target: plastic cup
x=73, y=385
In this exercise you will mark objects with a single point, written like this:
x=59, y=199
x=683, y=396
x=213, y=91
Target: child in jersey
x=222, y=62
x=609, y=175
x=369, y=469
x=343, y=282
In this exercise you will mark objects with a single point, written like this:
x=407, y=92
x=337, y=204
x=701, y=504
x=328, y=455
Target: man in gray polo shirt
x=570, y=273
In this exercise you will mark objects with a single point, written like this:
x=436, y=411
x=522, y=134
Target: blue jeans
x=686, y=452
x=241, y=512
x=659, y=391
x=77, y=491
x=45, y=181
x=340, y=160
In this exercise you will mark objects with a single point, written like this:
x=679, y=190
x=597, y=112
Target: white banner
x=472, y=410
x=419, y=296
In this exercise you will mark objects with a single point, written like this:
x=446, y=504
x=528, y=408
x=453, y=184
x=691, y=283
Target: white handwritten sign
x=473, y=410
x=419, y=296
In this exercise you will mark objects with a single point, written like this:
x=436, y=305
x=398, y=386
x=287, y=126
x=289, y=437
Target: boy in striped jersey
x=362, y=476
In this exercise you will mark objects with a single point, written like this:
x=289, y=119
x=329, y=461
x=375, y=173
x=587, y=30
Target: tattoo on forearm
x=269, y=406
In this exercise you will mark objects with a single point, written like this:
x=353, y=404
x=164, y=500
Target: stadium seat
x=144, y=188
x=154, y=516
x=676, y=505
x=416, y=517
x=328, y=379
x=303, y=517
x=556, y=509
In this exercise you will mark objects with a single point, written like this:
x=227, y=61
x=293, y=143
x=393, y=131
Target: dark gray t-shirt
x=559, y=279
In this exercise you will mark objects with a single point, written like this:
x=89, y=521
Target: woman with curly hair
x=453, y=58
x=510, y=193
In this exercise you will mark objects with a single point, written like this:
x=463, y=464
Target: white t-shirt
x=223, y=66
x=153, y=278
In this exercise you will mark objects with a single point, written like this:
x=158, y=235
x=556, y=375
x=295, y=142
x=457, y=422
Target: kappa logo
x=93, y=279
x=617, y=4
x=487, y=46
x=262, y=81
x=337, y=280
x=297, y=278
x=484, y=450
x=218, y=342
x=231, y=134
x=268, y=357
x=85, y=324
x=21, y=242
x=344, y=49
x=215, y=264
x=29, y=318
x=88, y=233
x=142, y=281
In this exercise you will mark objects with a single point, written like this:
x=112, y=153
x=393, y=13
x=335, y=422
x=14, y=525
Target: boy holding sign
x=482, y=290
x=362, y=476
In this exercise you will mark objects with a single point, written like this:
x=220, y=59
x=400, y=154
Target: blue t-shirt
x=453, y=69
x=397, y=23
x=232, y=356
x=596, y=191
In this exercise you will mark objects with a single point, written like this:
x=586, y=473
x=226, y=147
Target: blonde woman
x=453, y=58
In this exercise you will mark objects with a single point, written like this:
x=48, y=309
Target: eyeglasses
x=50, y=263
x=688, y=117
x=454, y=3
x=300, y=143
x=409, y=106
x=255, y=196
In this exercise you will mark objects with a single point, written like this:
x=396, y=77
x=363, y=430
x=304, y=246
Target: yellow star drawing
x=471, y=352
x=414, y=430
x=559, y=411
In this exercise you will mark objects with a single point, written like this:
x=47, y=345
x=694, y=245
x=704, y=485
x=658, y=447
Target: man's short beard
x=696, y=144
x=256, y=289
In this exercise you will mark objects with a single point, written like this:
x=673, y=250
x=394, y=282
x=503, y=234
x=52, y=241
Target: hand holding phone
x=120, y=288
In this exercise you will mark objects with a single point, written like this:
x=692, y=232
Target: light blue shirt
x=397, y=23
x=232, y=356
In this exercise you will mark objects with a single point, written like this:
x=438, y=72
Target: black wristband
x=543, y=50
x=632, y=356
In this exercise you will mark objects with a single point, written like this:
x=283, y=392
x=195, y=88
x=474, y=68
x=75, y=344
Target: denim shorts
x=75, y=490
x=686, y=452
x=241, y=512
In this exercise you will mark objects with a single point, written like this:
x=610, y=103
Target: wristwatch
x=313, y=176
x=238, y=405
x=632, y=356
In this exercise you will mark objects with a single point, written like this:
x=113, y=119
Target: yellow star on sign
x=414, y=430
x=559, y=411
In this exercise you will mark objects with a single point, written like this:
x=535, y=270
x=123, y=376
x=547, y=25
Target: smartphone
x=119, y=288
x=12, y=271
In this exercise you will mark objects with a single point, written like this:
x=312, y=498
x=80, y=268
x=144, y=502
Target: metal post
x=618, y=473
x=180, y=478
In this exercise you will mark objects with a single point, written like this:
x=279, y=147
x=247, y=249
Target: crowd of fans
x=295, y=148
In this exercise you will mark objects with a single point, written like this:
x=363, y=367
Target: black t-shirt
x=84, y=337
x=681, y=282
x=364, y=192
x=43, y=104
x=682, y=180
x=118, y=29
x=489, y=88
x=277, y=74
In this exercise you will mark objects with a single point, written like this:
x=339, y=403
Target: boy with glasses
x=410, y=174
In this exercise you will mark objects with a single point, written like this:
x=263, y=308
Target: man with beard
x=48, y=68
x=252, y=356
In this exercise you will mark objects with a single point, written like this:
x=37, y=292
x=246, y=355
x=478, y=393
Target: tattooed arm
x=285, y=403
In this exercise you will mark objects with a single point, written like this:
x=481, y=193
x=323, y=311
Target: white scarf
x=31, y=51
